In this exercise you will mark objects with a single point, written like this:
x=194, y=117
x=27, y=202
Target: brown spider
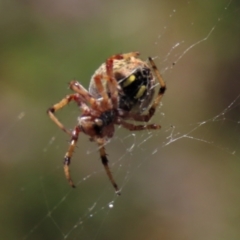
x=122, y=88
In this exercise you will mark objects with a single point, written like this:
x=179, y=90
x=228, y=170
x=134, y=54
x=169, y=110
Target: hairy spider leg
x=162, y=89
x=133, y=127
x=105, y=103
x=73, y=97
x=78, y=88
x=112, y=82
x=105, y=164
x=112, y=86
x=68, y=155
x=161, y=82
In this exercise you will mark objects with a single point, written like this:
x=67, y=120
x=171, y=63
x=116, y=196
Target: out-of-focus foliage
x=188, y=190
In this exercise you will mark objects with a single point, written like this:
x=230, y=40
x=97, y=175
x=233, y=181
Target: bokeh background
x=179, y=183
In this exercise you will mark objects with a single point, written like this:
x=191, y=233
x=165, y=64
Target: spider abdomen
x=137, y=90
x=136, y=84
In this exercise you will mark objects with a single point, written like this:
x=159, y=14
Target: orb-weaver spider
x=122, y=88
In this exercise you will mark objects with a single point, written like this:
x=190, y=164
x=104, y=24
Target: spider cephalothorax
x=123, y=88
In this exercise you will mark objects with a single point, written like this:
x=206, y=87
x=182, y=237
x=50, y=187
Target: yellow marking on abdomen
x=129, y=80
x=140, y=92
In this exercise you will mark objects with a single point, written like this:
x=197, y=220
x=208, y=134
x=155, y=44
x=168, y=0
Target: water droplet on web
x=110, y=205
x=21, y=115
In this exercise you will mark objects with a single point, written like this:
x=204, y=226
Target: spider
x=123, y=88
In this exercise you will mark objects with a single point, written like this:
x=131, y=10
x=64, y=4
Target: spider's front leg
x=87, y=97
x=105, y=103
x=112, y=82
x=72, y=97
x=69, y=153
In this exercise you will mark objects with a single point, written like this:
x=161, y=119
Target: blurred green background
x=186, y=188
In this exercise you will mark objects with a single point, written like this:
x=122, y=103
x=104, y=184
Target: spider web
x=181, y=182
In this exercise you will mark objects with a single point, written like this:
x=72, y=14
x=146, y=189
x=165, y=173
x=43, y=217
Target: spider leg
x=133, y=127
x=161, y=91
x=73, y=97
x=105, y=164
x=78, y=88
x=112, y=82
x=105, y=103
x=68, y=155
